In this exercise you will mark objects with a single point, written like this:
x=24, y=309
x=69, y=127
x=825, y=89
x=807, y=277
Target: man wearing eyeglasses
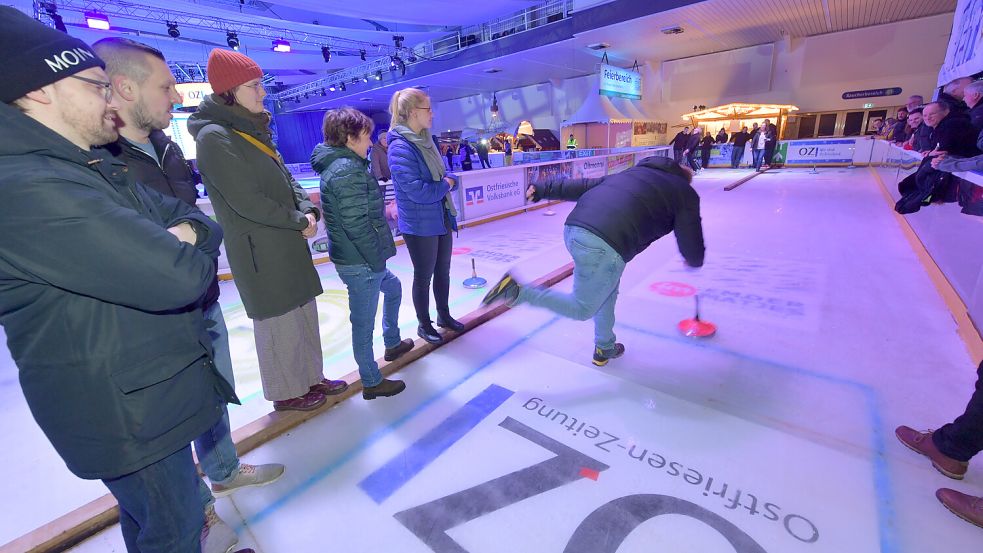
x=95, y=279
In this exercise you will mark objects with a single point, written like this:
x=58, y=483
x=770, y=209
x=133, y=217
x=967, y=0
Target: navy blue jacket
x=419, y=198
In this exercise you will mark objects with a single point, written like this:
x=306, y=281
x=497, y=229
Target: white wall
x=811, y=73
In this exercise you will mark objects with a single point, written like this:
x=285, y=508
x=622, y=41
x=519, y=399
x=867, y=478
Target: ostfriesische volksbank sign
x=619, y=82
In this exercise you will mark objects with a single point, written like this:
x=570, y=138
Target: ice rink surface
x=774, y=435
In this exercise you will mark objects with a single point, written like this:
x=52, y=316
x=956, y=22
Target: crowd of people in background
x=693, y=148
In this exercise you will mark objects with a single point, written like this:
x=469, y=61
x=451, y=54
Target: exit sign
x=868, y=105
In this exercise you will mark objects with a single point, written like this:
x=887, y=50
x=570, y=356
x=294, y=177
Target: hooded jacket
x=99, y=304
x=261, y=208
x=353, y=209
x=632, y=209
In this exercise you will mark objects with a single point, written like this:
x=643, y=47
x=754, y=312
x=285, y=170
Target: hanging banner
x=619, y=82
x=873, y=93
x=964, y=57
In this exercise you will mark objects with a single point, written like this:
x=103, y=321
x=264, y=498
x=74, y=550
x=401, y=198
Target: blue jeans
x=364, y=287
x=216, y=452
x=736, y=155
x=159, y=510
x=597, y=270
x=759, y=156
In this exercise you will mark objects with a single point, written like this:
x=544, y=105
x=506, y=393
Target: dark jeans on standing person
x=963, y=438
x=485, y=164
x=364, y=286
x=705, y=157
x=160, y=509
x=736, y=155
x=769, y=153
x=759, y=156
x=678, y=156
x=693, y=162
x=431, y=257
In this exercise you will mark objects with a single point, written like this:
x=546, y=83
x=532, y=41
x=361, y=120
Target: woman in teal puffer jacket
x=360, y=242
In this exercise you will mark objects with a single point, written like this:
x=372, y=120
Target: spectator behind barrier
x=973, y=96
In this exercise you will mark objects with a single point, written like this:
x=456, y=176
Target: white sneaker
x=249, y=475
x=216, y=535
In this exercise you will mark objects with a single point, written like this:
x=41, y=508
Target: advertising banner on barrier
x=964, y=57
x=590, y=168
x=720, y=155
x=487, y=192
x=815, y=152
x=617, y=164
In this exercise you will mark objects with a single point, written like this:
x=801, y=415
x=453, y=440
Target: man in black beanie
x=96, y=276
x=616, y=218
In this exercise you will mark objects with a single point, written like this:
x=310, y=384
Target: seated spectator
x=921, y=134
x=899, y=132
x=914, y=101
x=876, y=127
x=950, y=448
x=973, y=96
x=953, y=96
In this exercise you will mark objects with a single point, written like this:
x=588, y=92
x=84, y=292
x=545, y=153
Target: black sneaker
x=506, y=290
x=395, y=353
x=601, y=357
x=385, y=388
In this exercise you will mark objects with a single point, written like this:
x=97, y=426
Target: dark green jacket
x=94, y=299
x=353, y=207
x=261, y=209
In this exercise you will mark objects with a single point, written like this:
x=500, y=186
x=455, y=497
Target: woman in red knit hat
x=267, y=218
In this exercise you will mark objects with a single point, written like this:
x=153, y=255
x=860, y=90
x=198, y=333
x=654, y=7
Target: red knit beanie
x=228, y=69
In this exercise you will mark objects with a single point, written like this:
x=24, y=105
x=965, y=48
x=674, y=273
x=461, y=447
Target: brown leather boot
x=385, y=388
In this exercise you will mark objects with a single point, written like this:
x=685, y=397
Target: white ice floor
x=775, y=435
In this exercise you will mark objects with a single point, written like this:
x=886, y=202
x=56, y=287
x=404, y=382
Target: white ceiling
x=710, y=26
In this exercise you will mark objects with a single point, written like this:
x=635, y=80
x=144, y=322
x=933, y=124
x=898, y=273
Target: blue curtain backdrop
x=297, y=134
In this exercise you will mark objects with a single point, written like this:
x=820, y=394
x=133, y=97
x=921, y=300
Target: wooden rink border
x=88, y=520
x=971, y=336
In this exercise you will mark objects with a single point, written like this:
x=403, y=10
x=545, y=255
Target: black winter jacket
x=353, y=209
x=172, y=177
x=632, y=209
x=93, y=294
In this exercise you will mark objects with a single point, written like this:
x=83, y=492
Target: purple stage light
x=280, y=45
x=96, y=20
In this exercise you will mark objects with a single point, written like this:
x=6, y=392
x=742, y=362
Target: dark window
x=807, y=126
x=854, y=123
x=827, y=124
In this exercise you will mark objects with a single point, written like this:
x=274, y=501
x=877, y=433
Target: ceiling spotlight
x=232, y=39
x=323, y=93
x=306, y=96
x=396, y=63
x=378, y=75
x=365, y=78
x=342, y=86
x=494, y=106
x=411, y=58
x=332, y=88
x=52, y=12
x=398, y=40
x=96, y=20
x=361, y=54
x=326, y=54
x=280, y=45
x=172, y=30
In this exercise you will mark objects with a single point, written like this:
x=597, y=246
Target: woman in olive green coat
x=267, y=218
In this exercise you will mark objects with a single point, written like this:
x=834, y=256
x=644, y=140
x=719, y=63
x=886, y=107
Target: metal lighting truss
x=472, y=35
x=138, y=12
x=193, y=72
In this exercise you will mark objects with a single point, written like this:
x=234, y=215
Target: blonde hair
x=403, y=101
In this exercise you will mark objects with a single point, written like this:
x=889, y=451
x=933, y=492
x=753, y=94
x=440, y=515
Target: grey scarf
x=435, y=163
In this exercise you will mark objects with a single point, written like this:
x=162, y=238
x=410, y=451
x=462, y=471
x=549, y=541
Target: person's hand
x=937, y=153
x=451, y=182
x=937, y=160
x=184, y=233
x=311, y=229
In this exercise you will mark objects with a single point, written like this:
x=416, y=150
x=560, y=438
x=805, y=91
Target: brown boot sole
x=944, y=472
x=373, y=395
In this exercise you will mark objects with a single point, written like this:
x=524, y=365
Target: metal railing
x=472, y=35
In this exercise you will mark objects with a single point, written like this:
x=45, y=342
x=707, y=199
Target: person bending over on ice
x=616, y=218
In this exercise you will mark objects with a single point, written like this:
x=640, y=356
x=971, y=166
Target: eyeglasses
x=426, y=108
x=106, y=87
x=255, y=87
